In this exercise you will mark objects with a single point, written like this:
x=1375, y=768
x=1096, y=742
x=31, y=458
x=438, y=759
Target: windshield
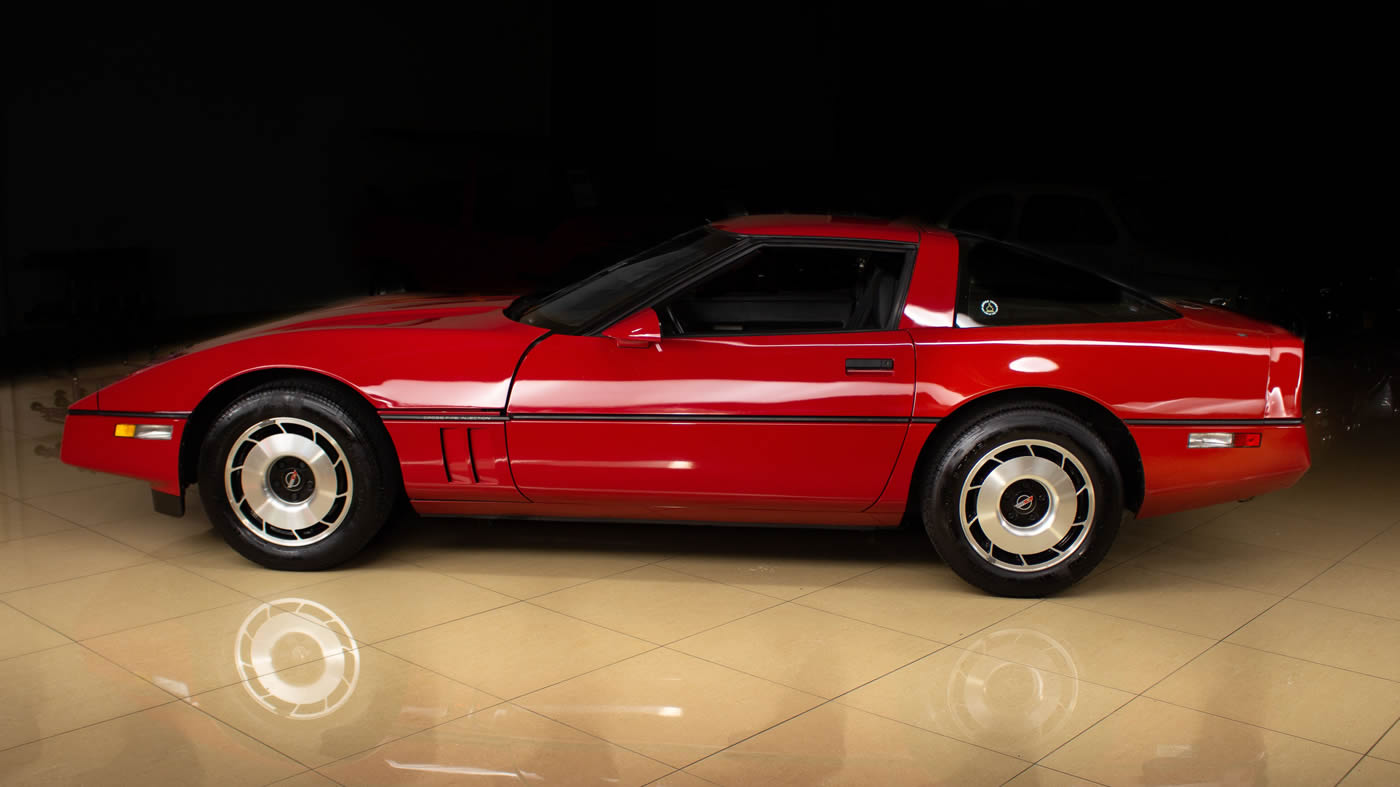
x=571, y=309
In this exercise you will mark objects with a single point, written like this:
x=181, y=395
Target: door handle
x=869, y=366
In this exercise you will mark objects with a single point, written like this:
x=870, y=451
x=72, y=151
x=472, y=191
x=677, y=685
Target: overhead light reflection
x=1033, y=363
x=460, y=770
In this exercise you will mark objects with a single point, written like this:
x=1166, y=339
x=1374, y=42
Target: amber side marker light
x=144, y=431
x=1223, y=440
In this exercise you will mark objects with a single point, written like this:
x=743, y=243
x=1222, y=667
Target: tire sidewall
x=942, y=499
x=367, y=508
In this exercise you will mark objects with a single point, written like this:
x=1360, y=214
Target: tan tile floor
x=1244, y=644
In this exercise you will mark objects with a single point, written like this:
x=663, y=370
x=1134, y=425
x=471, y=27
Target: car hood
x=415, y=352
x=384, y=311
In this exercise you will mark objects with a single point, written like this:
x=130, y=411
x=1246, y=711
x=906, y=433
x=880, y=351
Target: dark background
x=170, y=177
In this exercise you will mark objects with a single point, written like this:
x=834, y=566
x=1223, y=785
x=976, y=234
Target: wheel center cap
x=290, y=479
x=1025, y=503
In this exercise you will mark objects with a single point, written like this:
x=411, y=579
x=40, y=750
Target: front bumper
x=90, y=441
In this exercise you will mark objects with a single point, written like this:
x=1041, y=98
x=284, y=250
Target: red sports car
x=796, y=370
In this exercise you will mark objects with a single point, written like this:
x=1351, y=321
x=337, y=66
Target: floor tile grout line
x=1289, y=510
x=1300, y=552
x=653, y=642
x=149, y=560
x=431, y=671
x=1291, y=597
x=301, y=774
x=941, y=647
x=1308, y=661
x=1019, y=774
x=1035, y=765
x=366, y=643
x=1060, y=603
x=84, y=525
x=105, y=485
x=594, y=735
x=1394, y=726
x=1184, y=665
x=358, y=646
x=40, y=650
x=1041, y=760
x=492, y=706
x=243, y=732
x=239, y=590
x=1077, y=679
x=1249, y=724
x=782, y=598
x=537, y=595
x=838, y=697
x=836, y=700
x=1347, y=561
x=1227, y=584
x=153, y=622
x=797, y=601
x=513, y=700
x=655, y=647
x=43, y=738
x=1143, y=693
x=1362, y=546
x=123, y=668
x=162, y=620
x=673, y=772
x=1207, y=581
x=190, y=701
x=513, y=601
x=18, y=611
x=1359, y=760
x=29, y=501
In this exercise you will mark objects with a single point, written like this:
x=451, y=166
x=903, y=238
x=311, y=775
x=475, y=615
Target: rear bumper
x=1177, y=478
x=89, y=440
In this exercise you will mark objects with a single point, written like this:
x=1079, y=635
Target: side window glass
x=1065, y=218
x=986, y=215
x=791, y=289
x=1000, y=285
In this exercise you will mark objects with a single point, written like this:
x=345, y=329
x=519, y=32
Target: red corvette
x=801, y=370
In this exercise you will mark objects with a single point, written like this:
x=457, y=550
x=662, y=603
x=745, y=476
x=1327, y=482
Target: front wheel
x=1025, y=502
x=296, y=479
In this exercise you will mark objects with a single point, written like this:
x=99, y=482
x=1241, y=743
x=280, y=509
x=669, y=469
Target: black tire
x=950, y=503
x=350, y=438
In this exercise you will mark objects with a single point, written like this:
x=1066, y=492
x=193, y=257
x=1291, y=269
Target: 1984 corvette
x=800, y=370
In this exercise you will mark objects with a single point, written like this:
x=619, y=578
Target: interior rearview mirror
x=642, y=329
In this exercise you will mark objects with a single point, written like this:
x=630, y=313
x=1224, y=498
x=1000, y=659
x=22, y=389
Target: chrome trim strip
x=435, y=417
x=177, y=414
x=1208, y=422
x=674, y=417
x=683, y=417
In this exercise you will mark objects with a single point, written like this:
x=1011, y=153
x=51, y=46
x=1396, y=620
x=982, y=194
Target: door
x=778, y=383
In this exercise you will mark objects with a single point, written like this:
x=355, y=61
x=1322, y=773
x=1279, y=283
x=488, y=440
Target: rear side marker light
x=145, y=431
x=1223, y=440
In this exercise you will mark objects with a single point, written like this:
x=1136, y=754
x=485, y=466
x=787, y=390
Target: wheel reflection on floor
x=297, y=631
x=995, y=702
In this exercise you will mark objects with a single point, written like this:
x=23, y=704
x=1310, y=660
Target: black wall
x=165, y=177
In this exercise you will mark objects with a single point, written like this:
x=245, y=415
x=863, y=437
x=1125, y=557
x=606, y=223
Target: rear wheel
x=1025, y=502
x=294, y=478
